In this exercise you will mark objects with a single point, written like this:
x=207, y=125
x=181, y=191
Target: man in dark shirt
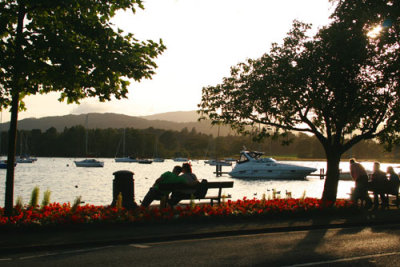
x=360, y=178
x=379, y=182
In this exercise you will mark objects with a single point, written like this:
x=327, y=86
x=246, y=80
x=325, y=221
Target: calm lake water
x=66, y=182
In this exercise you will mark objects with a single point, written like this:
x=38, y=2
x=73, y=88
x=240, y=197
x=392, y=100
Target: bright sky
x=204, y=38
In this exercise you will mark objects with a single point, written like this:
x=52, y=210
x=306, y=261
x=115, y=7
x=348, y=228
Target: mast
x=1, y=122
x=20, y=145
x=216, y=144
x=123, y=143
x=86, y=134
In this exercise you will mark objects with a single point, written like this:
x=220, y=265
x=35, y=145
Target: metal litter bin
x=125, y=184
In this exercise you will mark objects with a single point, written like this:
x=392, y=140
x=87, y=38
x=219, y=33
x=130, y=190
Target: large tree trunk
x=18, y=82
x=12, y=144
x=332, y=176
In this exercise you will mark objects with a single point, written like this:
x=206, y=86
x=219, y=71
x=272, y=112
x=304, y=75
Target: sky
x=204, y=38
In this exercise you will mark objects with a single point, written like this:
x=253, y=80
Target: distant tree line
x=148, y=143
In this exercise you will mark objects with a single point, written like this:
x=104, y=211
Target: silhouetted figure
x=360, y=178
x=165, y=178
x=191, y=179
x=379, y=184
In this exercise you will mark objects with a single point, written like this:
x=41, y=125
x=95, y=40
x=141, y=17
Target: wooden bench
x=200, y=188
x=387, y=189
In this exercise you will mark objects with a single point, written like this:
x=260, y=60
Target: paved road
x=357, y=246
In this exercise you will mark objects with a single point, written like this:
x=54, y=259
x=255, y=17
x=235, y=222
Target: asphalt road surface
x=356, y=246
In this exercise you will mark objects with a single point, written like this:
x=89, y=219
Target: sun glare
x=375, y=32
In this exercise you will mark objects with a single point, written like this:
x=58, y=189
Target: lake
x=94, y=185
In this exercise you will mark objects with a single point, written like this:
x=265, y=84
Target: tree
x=335, y=86
x=68, y=47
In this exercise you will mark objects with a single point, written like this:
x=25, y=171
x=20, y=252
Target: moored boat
x=158, y=160
x=218, y=162
x=252, y=165
x=25, y=159
x=126, y=159
x=89, y=163
x=145, y=161
x=3, y=164
x=181, y=159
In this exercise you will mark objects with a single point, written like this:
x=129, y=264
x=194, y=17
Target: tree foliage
x=69, y=47
x=338, y=85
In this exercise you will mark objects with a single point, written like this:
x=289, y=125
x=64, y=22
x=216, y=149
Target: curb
x=108, y=236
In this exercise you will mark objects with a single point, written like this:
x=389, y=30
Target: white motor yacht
x=89, y=163
x=252, y=165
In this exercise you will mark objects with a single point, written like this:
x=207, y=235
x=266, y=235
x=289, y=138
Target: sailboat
x=216, y=161
x=156, y=158
x=88, y=162
x=3, y=162
x=24, y=157
x=124, y=158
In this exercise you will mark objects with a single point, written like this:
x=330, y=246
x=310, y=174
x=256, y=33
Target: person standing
x=394, y=183
x=393, y=180
x=360, y=178
x=379, y=183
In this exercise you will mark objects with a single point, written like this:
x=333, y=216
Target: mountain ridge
x=175, y=121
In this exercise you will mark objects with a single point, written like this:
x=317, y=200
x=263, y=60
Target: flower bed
x=56, y=214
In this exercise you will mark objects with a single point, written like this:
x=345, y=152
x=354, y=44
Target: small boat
x=252, y=165
x=89, y=163
x=3, y=164
x=346, y=176
x=126, y=159
x=158, y=160
x=123, y=158
x=156, y=157
x=25, y=159
x=145, y=161
x=218, y=162
x=181, y=159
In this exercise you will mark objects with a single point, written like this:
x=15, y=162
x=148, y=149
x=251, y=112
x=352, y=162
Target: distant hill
x=171, y=121
x=177, y=116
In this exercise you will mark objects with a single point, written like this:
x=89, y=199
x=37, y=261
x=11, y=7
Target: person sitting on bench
x=190, y=179
x=165, y=178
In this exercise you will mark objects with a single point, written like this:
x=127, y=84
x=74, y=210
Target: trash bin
x=125, y=184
